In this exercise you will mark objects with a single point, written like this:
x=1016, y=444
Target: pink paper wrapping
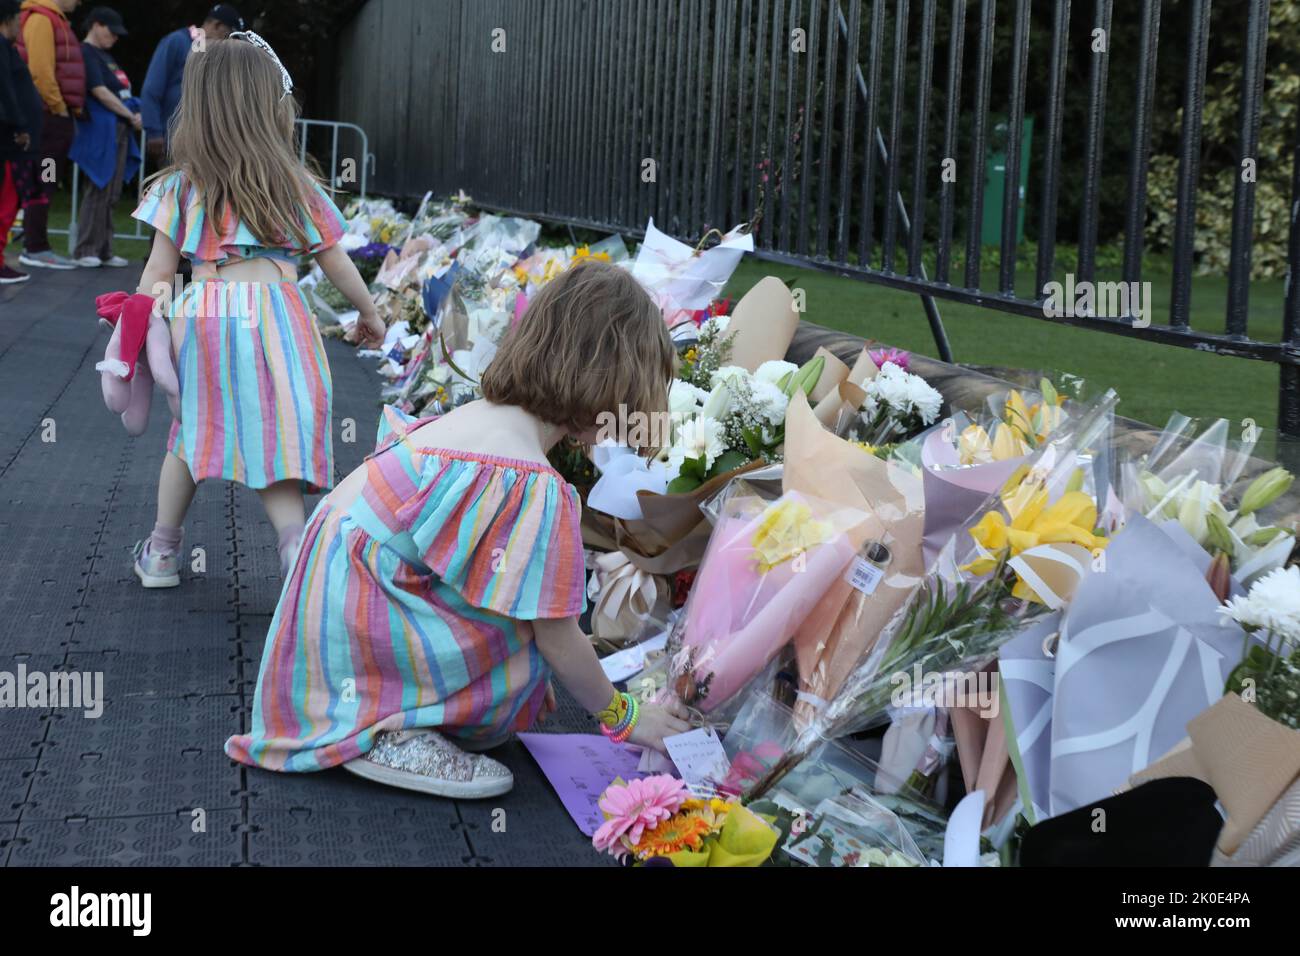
x=739, y=616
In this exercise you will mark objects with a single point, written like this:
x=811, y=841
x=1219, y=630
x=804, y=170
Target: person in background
x=161, y=92
x=49, y=45
x=20, y=132
x=105, y=148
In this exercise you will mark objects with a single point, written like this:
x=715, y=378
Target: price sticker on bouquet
x=699, y=758
x=864, y=575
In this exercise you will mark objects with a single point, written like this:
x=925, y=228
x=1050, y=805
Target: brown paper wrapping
x=846, y=622
x=762, y=324
x=985, y=760
x=1249, y=759
x=833, y=372
x=843, y=402
x=671, y=534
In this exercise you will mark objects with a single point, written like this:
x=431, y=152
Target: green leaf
x=728, y=461
x=682, y=484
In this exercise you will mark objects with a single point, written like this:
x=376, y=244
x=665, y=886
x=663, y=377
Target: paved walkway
x=179, y=665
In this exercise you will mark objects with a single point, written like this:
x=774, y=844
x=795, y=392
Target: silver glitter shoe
x=428, y=762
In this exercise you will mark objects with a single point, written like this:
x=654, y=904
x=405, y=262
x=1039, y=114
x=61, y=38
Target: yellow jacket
x=38, y=38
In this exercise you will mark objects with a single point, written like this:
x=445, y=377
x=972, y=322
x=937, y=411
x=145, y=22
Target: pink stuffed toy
x=138, y=329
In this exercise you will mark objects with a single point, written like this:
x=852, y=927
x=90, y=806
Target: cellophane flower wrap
x=1026, y=549
x=767, y=565
x=966, y=458
x=1211, y=485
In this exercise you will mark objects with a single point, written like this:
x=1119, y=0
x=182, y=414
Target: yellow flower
x=1033, y=425
x=1034, y=522
x=787, y=529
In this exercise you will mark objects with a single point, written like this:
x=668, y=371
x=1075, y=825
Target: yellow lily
x=1069, y=520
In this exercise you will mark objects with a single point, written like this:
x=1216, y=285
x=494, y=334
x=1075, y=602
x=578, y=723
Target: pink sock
x=165, y=540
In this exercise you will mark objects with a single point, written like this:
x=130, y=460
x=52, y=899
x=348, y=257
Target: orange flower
x=685, y=831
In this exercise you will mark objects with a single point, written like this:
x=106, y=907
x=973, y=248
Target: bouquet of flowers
x=1024, y=557
x=767, y=566
x=1190, y=478
x=1269, y=672
x=657, y=821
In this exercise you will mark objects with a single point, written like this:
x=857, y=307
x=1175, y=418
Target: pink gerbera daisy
x=632, y=808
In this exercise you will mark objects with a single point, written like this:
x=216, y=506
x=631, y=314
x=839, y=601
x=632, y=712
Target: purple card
x=579, y=768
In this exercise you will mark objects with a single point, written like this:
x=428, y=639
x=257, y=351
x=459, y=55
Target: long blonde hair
x=232, y=138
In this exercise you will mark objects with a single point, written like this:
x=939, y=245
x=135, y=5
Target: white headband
x=261, y=44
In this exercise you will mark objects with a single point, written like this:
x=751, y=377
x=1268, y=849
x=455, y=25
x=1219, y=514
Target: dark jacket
x=161, y=93
x=21, y=109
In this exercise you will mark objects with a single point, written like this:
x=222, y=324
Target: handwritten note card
x=699, y=757
x=579, y=767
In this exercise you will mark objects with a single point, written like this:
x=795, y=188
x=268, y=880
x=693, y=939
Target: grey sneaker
x=48, y=259
x=116, y=262
x=90, y=262
x=426, y=761
x=156, y=570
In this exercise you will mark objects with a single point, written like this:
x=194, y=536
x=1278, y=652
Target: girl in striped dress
x=254, y=380
x=438, y=586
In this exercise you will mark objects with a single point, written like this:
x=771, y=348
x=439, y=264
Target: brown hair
x=232, y=138
x=592, y=340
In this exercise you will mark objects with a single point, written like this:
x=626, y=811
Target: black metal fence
x=829, y=125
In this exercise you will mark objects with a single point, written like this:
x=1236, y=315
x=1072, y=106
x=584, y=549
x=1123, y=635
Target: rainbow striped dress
x=255, y=387
x=411, y=606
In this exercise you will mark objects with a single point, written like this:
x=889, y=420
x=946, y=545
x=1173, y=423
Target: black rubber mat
x=15, y=778
x=214, y=838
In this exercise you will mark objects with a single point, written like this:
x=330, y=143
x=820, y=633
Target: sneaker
x=117, y=262
x=12, y=276
x=427, y=762
x=90, y=262
x=156, y=570
x=46, y=260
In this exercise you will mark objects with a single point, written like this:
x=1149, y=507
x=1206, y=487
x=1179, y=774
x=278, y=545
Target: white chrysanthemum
x=769, y=402
x=904, y=394
x=698, y=438
x=924, y=399
x=719, y=323
x=1273, y=604
x=774, y=371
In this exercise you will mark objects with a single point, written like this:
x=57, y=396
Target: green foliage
x=1221, y=163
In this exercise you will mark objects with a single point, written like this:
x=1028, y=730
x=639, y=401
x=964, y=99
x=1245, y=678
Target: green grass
x=1152, y=380
x=60, y=213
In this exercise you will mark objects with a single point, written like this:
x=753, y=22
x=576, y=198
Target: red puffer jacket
x=69, y=67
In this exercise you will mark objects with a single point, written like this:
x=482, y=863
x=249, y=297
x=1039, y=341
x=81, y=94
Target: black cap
x=109, y=18
x=227, y=14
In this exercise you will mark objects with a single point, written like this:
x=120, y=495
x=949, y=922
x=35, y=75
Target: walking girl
x=254, y=381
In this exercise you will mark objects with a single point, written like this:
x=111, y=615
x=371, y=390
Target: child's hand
x=369, y=331
x=657, y=722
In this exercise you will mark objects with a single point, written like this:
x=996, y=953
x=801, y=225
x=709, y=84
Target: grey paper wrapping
x=1028, y=677
x=1142, y=651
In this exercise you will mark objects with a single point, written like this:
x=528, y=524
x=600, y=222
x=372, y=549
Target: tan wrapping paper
x=1249, y=759
x=671, y=534
x=763, y=324
x=846, y=622
x=833, y=373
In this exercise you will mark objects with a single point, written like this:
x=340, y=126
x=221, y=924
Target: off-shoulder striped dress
x=255, y=388
x=411, y=606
